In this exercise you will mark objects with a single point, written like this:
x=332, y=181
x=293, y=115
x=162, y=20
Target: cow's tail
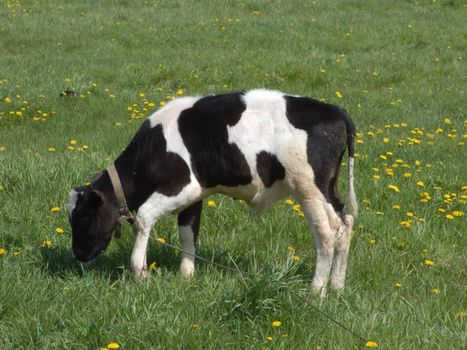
x=350, y=206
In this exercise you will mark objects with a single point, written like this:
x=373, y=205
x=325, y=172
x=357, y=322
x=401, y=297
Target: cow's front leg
x=188, y=224
x=138, y=256
x=156, y=207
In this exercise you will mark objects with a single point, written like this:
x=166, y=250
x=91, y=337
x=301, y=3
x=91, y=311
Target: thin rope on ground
x=244, y=273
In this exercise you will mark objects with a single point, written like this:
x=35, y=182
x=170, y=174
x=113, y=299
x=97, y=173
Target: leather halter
x=123, y=210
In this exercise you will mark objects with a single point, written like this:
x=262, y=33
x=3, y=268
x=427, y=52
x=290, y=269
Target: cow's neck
x=126, y=165
x=104, y=185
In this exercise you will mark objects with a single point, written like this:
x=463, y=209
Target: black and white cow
x=259, y=146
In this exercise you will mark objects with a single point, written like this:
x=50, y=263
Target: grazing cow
x=259, y=146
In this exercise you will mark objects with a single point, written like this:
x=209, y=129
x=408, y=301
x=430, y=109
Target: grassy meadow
x=398, y=67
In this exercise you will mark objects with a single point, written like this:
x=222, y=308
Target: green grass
x=393, y=62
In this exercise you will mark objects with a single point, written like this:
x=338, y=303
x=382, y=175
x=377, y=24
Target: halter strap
x=124, y=211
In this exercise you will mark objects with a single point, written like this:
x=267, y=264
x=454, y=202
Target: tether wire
x=244, y=273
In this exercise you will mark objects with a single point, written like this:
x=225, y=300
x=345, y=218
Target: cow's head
x=93, y=219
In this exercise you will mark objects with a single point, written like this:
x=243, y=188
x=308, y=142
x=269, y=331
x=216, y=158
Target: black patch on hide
x=269, y=168
x=203, y=128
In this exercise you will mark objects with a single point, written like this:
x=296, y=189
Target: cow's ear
x=97, y=176
x=95, y=199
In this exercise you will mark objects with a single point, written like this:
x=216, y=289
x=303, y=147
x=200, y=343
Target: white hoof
x=187, y=268
x=337, y=285
x=319, y=290
x=141, y=273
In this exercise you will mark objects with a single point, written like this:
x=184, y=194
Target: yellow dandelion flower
x=194, y=326
x=295, y=258
x=339, y=94
x=2, y=251
x=449, y=216
x=269, y=338
x=289, y=202
x=398, y=285
x=386, y=139
x=457, y=213
x=55, y=209
x=301, y=214
x=436, y=291
x=297, y=207
x=379, y=213
x=7, y=99
x=211, y=204
x=428, y=262
x=59, y=230
x=410, y=214
x=113, y=345
x=407, y=175
x=73, y=142
x=420, y=184
x=371, y=344
x=373, y=241
x=461, y=314
x=447, y=121
x=162, y=103
x=160, y=240
x=394, y=188
x=2, y=149
x=276, y=323
x=180, y=92
x=51, y=149
x=396, y=206
x=17, y=253
x=152, y=266
x=46, y=244
x=376, y=177
x=383, y=157
x=406, y=224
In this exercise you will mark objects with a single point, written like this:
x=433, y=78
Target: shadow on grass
x=112, y=263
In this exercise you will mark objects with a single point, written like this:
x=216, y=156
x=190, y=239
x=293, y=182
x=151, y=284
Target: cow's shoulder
x=171, y=111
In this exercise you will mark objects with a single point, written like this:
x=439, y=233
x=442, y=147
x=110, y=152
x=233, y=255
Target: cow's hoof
x=318, y=291
x=142, y=273
x=337, y=286
x=187, y=269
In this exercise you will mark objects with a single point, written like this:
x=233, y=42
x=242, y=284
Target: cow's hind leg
x=324, y=241
x=341, y=253
x=188, y=224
